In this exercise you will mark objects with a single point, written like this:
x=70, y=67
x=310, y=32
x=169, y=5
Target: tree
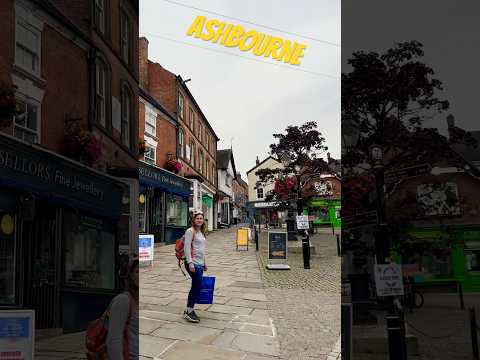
x=300, y=149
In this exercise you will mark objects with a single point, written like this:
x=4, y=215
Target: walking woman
x=122, y=338
x=195, y=262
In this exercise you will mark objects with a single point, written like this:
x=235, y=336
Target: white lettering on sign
x=388, y=279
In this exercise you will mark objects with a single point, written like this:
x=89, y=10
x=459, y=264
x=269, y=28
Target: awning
x=158, y=178
x=58, y=179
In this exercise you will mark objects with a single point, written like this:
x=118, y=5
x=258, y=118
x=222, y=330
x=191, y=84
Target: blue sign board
x=145, y=247
x=162, y=179
x=14, y=327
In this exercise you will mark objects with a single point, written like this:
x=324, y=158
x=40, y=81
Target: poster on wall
x=17, y=334
x=145, y=248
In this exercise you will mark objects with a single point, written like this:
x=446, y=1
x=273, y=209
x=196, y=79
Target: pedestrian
x=123, y=319
x=195, y=262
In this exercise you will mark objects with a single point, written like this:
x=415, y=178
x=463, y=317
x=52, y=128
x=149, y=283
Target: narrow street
x=256, y=315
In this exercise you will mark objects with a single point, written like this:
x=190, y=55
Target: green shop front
x=163, y=203
x=324, y=212
x=457, y=263
x=58, y=236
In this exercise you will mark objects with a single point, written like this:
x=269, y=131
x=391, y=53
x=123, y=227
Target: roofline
x=145, y=95
x=260, y=163
x=232, y=160
x=180, y=80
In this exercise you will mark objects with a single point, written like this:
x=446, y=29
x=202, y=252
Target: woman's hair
x=131, y=286
x=202, y=229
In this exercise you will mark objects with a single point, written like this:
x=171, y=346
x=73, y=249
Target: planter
x=173, y=166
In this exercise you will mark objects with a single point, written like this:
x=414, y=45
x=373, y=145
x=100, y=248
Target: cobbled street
x=256, y=315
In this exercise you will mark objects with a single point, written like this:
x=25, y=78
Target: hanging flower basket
x=142, y=147
x=81, y=145
x=7, y=105
x=285, y=186
x=174, y=166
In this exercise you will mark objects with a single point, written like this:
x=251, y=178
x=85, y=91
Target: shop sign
x=302, y=222
x=264, y=204
x=26, y=167
x=388, y=279
x=277, y=250
x=17, y=338
x=163, y=179
x=145, y=248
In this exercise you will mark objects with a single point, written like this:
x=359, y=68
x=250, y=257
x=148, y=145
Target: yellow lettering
x=286, y=52
x=210, y=31
x=263, y=41
x=298, y=53
x=234, y=37
x=274, y=45
x=221, y=26
x=253, y=34
x=196, y=27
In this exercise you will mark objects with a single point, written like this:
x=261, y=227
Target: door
x=156, y=216
x=40, y=261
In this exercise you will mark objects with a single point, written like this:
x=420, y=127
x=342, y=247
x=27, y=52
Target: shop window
x=27, y=120
x=472, y=259
x=89, y=252
x=177, y=211
x=150, y=154
x=260, y=193
x=7, y=258
x=437, y=265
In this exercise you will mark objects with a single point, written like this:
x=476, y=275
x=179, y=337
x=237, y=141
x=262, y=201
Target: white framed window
x=181, y=143
x=27, y=120
x=127, y=101
x=259, y=193
x=27, y=41
x=150, y=154
x=192, y=153
x=191, y=118
x=100, y=16
x=202, y=162
x=101, y=92
x=207, y=169
x=125, y=39
x=188, y=152
x=180, y=105
x=150, y=121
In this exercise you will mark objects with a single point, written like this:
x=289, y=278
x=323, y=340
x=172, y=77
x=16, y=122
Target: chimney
x=328, y=158
x=143, y=62
x=451, y=124
x=258, y=161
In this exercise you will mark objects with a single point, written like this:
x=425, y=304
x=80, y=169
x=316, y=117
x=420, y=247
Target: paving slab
x=228, y=309
x=256, y=343
x=184, y=351
x=151, y=346
x=187, y=332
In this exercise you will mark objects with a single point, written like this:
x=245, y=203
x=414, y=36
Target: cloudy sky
x=246, y=101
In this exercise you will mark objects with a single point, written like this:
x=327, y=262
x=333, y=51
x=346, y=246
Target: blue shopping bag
x=208, y=287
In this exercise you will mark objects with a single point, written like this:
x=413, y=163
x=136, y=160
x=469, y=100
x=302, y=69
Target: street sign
x=302, y=222
x=17, y=334
x=388, y=279
x=145, y=247
x=367, y=218
x=277, y=250
x=397, y=175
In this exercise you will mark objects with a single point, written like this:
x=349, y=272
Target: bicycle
x=412, y=298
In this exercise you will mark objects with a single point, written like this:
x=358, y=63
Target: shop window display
x=177, y=211
x=89, y=252
x=7, y=258
x=472, y=257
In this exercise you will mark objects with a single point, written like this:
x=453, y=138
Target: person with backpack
x=194, y=249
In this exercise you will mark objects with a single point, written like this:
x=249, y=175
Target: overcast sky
x=447, y=29
x=245, y=100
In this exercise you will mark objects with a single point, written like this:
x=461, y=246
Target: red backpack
x=96, y=335
x=180, y=252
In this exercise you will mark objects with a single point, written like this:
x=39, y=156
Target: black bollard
x=256, y=239
x=473, y=333
x=396, y=337
x=460, y=294
x=338, y=245
x=306, y=251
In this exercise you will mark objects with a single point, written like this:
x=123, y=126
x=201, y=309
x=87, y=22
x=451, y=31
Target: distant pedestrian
x=195, y=265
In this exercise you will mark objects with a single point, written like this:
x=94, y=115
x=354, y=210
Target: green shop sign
x=207, y=200
x=32, y=169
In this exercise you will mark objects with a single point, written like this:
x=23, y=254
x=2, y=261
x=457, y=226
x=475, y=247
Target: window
x=27, y=120
x=192, y=153
x=7, y=258
x=207, y=139
x=181, y=143
x=202, y=162
x=188, y=152
x=27, y=47
x=191, y=119
x=150, y=122
x=150, y=152
x=127, y=104
x=125, y=45
x=207, y=169
x=89, y=252
x=101, y=93
x=177, y=211
x=472, y=255
x=260, y=193
x=100, y=16
x=180, y=105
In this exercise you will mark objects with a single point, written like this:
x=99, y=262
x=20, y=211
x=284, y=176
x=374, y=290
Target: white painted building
x=226, y=175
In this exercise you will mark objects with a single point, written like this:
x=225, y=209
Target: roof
x=223, y=159
x=151, y=100
x=256, y=166
x=470, y=153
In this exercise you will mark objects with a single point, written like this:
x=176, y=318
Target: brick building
x=240, y=198
x=73, y=69
x=195, y=140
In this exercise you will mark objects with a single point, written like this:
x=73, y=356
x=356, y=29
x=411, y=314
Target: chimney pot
x=258, y=160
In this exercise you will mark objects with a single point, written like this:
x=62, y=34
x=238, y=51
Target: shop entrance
x=40, y=266
x=156, y=215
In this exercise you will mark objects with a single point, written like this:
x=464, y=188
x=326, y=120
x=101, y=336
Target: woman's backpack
x=180, y=252
x=96, y=335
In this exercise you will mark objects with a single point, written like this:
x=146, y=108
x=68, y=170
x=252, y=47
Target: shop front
x=457, y=261
x=163, y=201
x=265, y=213
x=324, y=212
x=207, y=208
x=58, y=236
